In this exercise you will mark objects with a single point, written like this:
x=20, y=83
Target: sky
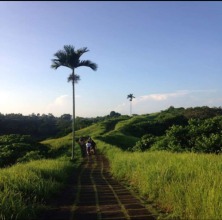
x=165, y=53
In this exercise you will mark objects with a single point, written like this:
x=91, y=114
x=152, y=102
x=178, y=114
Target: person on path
x=88, y=147
x=93, y=145
x=82, y=145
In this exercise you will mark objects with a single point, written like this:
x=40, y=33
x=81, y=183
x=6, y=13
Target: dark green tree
x=114, y=114
x=130, y=97
x=69, y=57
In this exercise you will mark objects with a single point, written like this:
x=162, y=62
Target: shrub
x=145, y=143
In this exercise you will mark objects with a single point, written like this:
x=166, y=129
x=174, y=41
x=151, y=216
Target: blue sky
x=164, y=53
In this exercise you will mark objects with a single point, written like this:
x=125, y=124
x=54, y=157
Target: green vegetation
x=20, y=148
x=25, y=187
x=183, y=185
x=171, y=158
x=180, y=130
x=39, y=127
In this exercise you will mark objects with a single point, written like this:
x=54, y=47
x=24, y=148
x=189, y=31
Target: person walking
x=93, y=145
x=88, y=147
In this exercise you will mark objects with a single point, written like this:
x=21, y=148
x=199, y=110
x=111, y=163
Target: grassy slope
x=25, y=187
x=113, y=131
x=186, y=185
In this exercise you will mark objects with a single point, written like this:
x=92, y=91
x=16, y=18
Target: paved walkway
x=94, y=194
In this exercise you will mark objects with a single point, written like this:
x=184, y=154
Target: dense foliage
x=45, y=126
x=16, y=148
x=175, y=129
x=194, y=129
x=38, y=126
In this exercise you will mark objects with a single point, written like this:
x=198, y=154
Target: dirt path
x=93, y=194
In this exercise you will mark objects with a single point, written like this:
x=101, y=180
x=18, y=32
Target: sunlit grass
x=59, y=142
x=185, y=185
x=188, y=186
x=24, y=188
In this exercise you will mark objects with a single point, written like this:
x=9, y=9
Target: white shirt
x=88, y=144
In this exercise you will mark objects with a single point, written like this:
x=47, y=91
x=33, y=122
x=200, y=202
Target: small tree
x=130, y=97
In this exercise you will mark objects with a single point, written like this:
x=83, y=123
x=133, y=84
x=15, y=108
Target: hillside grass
x=183, y=185
x=25, y=187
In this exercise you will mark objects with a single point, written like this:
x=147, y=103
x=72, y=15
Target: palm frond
x=74, y=78
x=88, y=63
x=130, y=96
x=70, y=58
x=60, y=54
x=69, y=49
x=81, y=51
x=55, y=64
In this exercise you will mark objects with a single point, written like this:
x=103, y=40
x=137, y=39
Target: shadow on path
x=93, y=194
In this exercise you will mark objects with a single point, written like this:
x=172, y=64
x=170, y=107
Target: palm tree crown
x=130, y=96
x=69, y=57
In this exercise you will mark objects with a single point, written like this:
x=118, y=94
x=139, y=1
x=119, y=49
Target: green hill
x=174, y=129
x=161, y=176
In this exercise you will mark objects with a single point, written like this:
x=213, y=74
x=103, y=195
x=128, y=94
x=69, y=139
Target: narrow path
x=95, y=195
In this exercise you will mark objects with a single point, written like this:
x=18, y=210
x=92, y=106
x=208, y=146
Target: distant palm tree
x=69, y=57
x=130, y=97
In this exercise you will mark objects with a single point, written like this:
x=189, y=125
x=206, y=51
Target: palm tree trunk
x=130, y=108
x=73, y=115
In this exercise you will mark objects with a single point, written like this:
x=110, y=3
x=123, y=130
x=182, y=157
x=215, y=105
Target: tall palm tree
x=130, y=97
x=69, y=57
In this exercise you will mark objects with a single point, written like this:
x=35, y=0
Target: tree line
x=38, y=126
x=45, y=126
x=20, y=135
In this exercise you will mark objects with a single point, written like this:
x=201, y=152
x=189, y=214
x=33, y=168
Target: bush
x=17, y=148
x=198, y=136
x=145, y=143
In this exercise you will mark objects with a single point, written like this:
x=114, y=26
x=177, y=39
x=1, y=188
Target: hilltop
x=157, y=130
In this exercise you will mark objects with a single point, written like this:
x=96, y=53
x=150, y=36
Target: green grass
x=24, y=188
x=183, y=185
x=59, y=142
x=187, y=186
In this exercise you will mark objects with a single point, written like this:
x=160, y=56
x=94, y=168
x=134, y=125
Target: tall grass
x=24, y=187
x=186, y=185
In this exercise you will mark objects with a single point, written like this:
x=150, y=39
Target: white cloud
x=61, y=105
x=160, y=97
x=160, y=101
x=120, y=107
